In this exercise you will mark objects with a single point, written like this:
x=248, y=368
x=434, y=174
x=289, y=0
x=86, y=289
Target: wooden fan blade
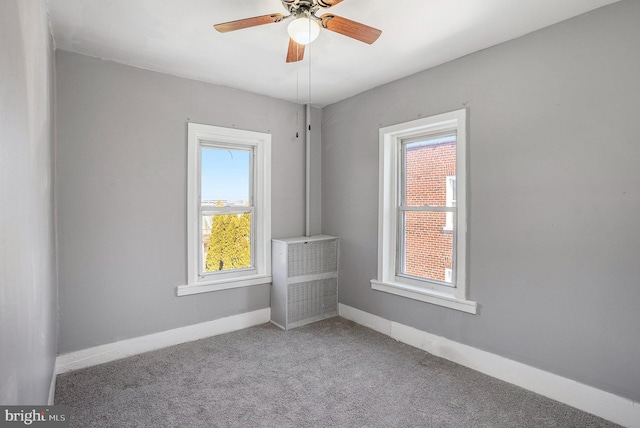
x=328, y=3
x=295, y=51
x=350, y=28
x=248, y=22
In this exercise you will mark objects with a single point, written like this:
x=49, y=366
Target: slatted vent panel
x=312, y=299
x=312, y=258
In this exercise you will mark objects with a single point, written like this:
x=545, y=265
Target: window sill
x=430, y=296
x=207, y=286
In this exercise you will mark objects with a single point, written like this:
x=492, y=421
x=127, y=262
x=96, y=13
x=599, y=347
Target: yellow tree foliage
x=230, y=242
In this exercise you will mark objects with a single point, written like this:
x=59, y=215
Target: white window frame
x=212, y=209
x=199, y=136
x=453, y=295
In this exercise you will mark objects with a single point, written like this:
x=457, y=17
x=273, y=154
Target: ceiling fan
x=306, y=25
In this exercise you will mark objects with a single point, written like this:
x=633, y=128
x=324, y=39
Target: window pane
x=427, y=250
x=226, y=242
x=225, y=177
x=427, y=164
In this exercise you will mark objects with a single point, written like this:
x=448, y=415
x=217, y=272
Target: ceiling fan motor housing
x=304, y=7
x=304, y=12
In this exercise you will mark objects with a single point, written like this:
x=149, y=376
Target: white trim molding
x=138, y=345
x=424, y=295
x=186, y=290
x=584, y=397
x=52, y=385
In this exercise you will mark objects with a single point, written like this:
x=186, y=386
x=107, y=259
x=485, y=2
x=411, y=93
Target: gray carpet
x=332, y=373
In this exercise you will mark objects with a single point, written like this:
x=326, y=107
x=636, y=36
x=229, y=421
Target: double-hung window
x=228, y=212
x=422, y=225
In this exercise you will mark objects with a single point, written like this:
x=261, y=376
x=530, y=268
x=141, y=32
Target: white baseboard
x=138, y=345
x=589, y=399
x=52, y=385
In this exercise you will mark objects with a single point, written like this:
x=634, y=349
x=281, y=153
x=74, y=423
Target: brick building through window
x=429, y=180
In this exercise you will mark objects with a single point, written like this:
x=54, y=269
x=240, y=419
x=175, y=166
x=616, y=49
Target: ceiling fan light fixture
x=303, y=30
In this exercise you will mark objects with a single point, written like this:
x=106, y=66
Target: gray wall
x=28, y=331
x=121, y=189
x=554, y=196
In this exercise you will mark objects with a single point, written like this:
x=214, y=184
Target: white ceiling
x=177, y=37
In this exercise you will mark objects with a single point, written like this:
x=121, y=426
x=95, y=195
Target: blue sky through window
x=225, y=175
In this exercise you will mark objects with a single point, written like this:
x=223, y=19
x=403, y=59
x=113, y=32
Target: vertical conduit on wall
x=307, y=170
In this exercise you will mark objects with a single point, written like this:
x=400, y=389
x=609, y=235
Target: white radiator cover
x=305, y=280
